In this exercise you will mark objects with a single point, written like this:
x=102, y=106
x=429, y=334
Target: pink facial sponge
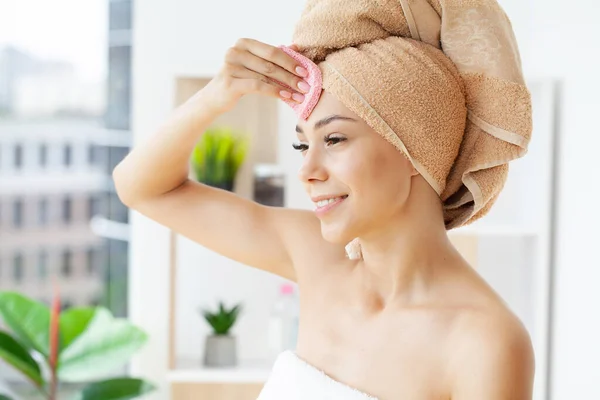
x=314, y=79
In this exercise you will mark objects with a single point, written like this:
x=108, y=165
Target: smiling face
x=358, y=180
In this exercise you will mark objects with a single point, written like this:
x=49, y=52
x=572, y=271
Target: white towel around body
x=294, y=379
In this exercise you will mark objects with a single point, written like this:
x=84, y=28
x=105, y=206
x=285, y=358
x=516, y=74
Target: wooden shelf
x=246, y=372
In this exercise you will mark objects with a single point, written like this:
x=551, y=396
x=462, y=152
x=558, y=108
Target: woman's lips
x=322, y=210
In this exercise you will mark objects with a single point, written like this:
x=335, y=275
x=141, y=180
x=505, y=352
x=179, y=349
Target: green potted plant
x=220, y=347
x=50, y=347
x=217, y=157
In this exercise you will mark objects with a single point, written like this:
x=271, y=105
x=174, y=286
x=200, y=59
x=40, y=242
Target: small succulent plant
x=222, y=320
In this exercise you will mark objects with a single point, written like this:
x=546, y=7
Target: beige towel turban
x=439, y=79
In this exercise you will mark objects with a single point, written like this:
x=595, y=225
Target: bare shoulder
x=492, y=356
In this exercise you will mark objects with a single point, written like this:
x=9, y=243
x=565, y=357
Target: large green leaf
x=29, y=320
x=3, y=397
x=73, y=323
x=105, y=345
x=16, y=355
x=116, y=389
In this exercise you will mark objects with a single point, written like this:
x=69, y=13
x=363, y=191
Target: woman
x=404, y=142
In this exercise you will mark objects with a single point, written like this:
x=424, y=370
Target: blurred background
x=82, y=81
x=65, y=96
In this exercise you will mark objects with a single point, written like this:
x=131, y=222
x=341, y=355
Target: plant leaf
x=18, y=356
x=223, y=319
x=116, y=389
x=105, y=345
x=3, y=397
x=73, y=323
x=218, y=155
x=29, y=320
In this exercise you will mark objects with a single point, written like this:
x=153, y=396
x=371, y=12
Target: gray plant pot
x=220, y=351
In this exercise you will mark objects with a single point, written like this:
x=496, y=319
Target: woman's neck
x=405, y=263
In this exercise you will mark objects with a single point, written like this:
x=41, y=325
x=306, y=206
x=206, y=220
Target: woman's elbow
x=123, y=186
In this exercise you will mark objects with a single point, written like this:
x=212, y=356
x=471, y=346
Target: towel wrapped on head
x=441, y=80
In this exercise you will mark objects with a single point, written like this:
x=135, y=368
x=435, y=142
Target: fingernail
x=285, y=94
x=301, y=71
x=298, y=97
x=305, y=87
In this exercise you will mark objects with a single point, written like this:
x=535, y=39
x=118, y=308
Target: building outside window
x=43, y=155
x=67, y=155
x=42, y=266
x=18, y=268
x=17, y=213
x=18, y=156
x=55, y=159
x=43, y=212
x=66, y=267
x=67, y=210
x=86, y=99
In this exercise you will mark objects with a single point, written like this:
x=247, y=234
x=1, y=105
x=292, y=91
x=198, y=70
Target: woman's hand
x=249, y=67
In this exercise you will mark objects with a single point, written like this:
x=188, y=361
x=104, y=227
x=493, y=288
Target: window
x=94, y=203
x=119, y=15
x=42, y=265
x=43, y=212
x=18, y=157
x=43, y=155
x=66, y=267
x=119, y=88
x=60, y=141
x=18, y=272
x=17, y=213
x=67, y=155
x=67, y=212
x=91, y=155
x=92, y=261
x=117, y=211
x=116, y=155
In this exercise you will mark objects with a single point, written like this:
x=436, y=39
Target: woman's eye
x=331, y=140
x=300, y=146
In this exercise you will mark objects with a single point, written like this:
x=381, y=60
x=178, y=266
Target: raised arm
x=153, y=178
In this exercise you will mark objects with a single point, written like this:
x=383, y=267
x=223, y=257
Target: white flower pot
x=220, y=351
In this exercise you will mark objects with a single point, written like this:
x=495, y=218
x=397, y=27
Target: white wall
x=565, y=41
x=188, y=38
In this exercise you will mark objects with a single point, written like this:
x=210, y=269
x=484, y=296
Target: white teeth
x=323, y=203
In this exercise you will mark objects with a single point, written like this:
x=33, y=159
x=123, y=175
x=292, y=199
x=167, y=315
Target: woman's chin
x=336, y=234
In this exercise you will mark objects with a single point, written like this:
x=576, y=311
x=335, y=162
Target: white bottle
x=283, y=322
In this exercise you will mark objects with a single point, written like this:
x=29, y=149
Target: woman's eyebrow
x=321, y=123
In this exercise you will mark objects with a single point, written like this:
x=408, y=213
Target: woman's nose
x=312, y=168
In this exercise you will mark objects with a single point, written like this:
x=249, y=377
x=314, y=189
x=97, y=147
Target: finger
x=241, y=72
x=301, y=71
x=271, y=70
x=244, y=74
x=260, y=87
x=272, y=54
